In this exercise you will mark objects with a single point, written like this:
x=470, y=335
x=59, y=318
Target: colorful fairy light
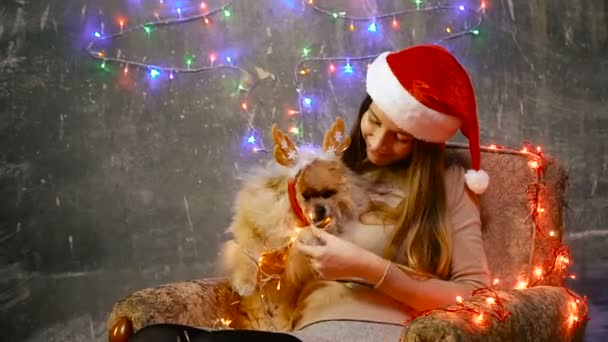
x=372, y=27
x=348, y=68
x=154, y=73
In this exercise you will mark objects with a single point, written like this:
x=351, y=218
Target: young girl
x=423, y=247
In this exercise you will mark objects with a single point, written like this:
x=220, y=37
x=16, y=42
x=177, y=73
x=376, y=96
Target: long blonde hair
x=420, y=218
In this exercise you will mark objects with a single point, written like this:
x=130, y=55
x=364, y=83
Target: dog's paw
x=307, y=237
x=243, y=287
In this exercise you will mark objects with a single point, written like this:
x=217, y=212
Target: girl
x=423, y=247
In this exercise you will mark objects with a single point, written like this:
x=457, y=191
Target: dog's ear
x=335, y=140
x=285, y=152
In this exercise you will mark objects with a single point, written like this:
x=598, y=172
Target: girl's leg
x=167, y=333
x=181, y=333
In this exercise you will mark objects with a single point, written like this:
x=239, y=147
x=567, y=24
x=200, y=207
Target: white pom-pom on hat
x=477, y=180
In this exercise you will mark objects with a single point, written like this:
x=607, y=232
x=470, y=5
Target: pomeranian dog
x=272, y=210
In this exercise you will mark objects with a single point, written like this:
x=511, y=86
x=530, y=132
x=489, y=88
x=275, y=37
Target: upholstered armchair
x=522, y=230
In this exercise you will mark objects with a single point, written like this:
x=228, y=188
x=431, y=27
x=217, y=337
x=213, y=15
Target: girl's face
x=386, y=143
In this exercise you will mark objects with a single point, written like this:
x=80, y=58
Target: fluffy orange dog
x=272, y=209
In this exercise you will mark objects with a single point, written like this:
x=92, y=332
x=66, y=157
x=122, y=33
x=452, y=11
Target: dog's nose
x=320, y=213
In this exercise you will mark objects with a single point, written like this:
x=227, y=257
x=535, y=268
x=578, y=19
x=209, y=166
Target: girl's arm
x=468, y=271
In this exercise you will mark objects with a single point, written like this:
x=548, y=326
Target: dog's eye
x=328, y=193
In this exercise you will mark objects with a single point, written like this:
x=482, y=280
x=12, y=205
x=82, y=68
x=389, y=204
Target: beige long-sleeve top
x=350, y=301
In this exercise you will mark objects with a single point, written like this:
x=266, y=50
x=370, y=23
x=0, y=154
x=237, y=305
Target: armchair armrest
x=197, y=303
x=541, y=313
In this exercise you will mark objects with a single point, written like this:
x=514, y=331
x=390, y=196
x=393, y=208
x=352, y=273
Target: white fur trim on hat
x=404, y=109
x=477, y=180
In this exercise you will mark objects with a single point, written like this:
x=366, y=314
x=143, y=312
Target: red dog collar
x=295, y=206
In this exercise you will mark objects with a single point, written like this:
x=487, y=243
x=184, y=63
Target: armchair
x=522, y=229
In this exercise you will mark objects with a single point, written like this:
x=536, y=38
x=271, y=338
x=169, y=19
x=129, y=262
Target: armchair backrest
x=521, y=212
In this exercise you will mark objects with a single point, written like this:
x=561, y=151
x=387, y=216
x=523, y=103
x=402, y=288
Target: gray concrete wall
x=112, y=183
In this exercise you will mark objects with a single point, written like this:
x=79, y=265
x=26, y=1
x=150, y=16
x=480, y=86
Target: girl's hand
x=334, y=258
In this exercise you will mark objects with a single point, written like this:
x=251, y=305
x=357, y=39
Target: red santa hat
x=427, y=93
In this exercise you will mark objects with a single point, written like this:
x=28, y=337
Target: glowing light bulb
x=459, y=299
x=308, y=101
x=538, y=272
x=372, y=27
x=490, y=300
x=203, y=5
x=212, y=57
x=521, y=284
x=395, y=23
x=475, y=32
x=552, y=233
x=479, y=318
x=351, y=27
x=332, y=68
x=533, y=164
x=294, y=130
x=206, y=20
x=227, y=13
x=461, y=7
x=244, y=105
x=251, y=140
x=496, y=281
x=348, y=68
x=97, y=35
x=154, y=73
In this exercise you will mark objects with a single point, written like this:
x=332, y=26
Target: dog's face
x=325, y=193
x=324, y=186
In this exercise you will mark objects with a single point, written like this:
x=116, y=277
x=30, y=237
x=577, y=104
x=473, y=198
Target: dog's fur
x=264, y=221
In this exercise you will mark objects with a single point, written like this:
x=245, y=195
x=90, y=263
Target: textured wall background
x=112, y=183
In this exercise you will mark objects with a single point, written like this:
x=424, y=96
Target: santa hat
x=427, y=93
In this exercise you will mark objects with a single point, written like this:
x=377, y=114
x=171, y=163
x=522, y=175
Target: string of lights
x=305, y=102
x=204, y=13
x=253, y=140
